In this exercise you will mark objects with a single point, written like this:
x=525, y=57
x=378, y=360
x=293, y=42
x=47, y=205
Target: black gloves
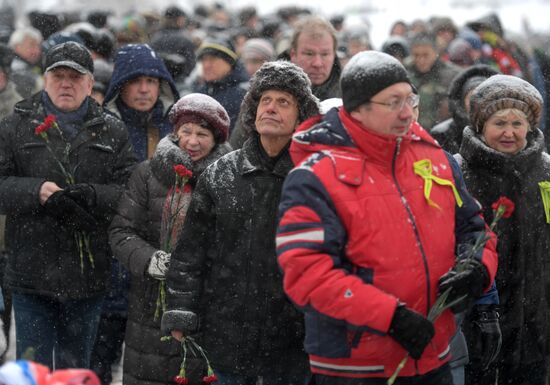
x=60, y=206
x=83, y=194
x=411, y=330
x=486, y=337
x=466, y=279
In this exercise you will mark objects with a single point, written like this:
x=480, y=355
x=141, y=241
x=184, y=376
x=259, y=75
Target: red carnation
x=505, y=206
x=40, y=129
x=50, y=120
x=181, y=380
x=183, y=171
x=210, y=379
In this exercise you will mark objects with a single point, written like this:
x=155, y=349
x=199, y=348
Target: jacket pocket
x=326, y=338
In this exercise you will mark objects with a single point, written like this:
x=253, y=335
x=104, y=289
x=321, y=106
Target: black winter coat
x=523, y=240
x=229, y=91
x=134, y=236
x=224, y=273
x=43, y=254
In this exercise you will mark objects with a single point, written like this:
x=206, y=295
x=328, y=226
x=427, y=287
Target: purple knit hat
x=203, y=110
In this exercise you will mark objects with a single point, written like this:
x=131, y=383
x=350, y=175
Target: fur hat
x=366, y=74
x=203, y=110
x=500, y=92
x=281, y=76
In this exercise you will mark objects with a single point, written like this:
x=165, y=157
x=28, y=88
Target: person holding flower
x=224, y=285
x=371, y=220
x=503, y=154
x=63, y=164
x=145, y=230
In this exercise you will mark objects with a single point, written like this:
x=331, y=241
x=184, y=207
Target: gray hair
x=20, y=34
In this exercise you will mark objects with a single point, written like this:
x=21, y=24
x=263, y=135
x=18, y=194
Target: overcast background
x=378, y=14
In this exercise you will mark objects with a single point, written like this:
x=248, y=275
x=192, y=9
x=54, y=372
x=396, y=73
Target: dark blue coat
x=229, y=91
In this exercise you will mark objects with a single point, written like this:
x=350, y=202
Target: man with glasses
x=370, y=222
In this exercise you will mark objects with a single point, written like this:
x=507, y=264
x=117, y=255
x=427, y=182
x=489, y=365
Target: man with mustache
x=140, y=93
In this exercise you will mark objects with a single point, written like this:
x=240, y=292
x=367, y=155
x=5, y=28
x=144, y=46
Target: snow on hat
x=72, y=55
x=280, y=76
x=501, y=92
x=220, y=48
x=366, y=74
x=203, y=110
x=23, y=372
x=258, y=49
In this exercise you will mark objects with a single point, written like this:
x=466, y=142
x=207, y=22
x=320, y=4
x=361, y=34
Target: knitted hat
x=501, y=92
x=258, y=49
x=220, y=48
x=280, y=76
x=368, y=73
x=203, y=110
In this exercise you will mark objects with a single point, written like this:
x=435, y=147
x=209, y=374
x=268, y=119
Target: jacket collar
x=168, y=154
x=478, y=154
x=250, y=159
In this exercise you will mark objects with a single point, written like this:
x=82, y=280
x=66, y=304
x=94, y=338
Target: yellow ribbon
x=545, y=192
x=423, y=168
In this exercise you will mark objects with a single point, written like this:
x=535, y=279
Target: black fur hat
x=282, y=76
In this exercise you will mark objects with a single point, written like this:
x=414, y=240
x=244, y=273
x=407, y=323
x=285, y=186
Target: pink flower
x=210, y=379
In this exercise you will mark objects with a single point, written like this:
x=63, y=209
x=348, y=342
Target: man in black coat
x=60, y=182
x=223, y=273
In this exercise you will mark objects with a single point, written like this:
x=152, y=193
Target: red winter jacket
x=357, y=237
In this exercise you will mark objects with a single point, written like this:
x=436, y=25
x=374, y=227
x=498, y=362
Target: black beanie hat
x=220, y=48
x=366, y=74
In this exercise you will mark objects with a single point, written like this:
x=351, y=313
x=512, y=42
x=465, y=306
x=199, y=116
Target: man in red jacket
x=372, y=220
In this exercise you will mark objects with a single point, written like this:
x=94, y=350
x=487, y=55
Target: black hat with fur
x=281, y=76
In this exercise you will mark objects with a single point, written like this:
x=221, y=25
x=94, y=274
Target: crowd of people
x=224, y=197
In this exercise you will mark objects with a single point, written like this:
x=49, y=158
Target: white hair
x=20, y=34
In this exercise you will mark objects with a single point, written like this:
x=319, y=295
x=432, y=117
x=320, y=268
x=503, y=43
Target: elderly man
x=26, y=66
x=370, y=222
x=313, y=48
x=250, y=330
x=60, y=182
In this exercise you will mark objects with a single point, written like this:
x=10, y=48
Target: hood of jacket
x=168, y=154
x=456, y=92
x=136, y=60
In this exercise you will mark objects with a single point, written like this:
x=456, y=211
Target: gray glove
x=159, y=264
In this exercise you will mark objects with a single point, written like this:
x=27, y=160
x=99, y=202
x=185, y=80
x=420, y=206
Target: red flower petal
x=210, y=379
x=508, y=205
x=183, y=171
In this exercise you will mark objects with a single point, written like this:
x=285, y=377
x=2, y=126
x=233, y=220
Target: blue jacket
x=132, y=61
x=229, y=91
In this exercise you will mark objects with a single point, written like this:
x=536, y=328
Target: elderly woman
x=503, y=155
x=200, y=131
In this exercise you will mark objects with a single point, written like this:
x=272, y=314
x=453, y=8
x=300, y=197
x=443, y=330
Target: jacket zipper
x=413, y=223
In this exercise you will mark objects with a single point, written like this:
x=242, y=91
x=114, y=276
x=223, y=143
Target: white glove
x=159, y=264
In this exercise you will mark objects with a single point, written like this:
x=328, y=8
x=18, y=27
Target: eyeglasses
x=398, y=104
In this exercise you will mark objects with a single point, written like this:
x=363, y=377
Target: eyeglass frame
x=412, y=100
